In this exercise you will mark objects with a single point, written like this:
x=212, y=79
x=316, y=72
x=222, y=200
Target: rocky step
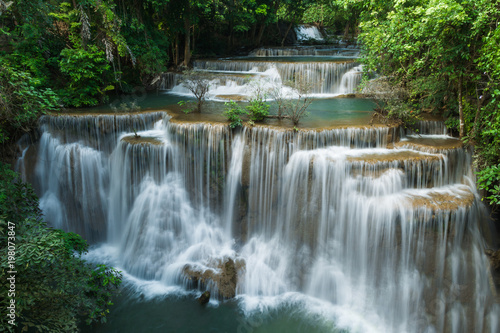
x=381, y=156
x=142, y=140
x=430, y=143
x=421, y=169
x=446, y=198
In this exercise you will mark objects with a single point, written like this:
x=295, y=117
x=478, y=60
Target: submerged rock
x=204, y=298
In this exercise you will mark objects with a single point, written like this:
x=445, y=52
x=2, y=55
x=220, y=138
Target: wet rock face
x=228, y=279
x=494, y=257
x=224, y=275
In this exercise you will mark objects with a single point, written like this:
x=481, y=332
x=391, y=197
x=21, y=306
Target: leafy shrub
x=233, y=113
x=88, y=74
x=489, y=180
x=187, y=106
x=22, y=101
x=54, y=286
x=18, y=201
x=258, y=110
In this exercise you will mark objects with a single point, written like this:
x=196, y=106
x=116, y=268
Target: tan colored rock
x=224, y=275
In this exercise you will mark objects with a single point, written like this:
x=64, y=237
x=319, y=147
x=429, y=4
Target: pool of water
x=181, y=313
x=321, y=113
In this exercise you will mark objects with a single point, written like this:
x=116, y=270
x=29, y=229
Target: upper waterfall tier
x=431, y=127
x=306, y=51
x=324, y=78
x=308, y=32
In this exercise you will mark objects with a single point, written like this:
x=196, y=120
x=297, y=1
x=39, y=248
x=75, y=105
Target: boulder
x=223, y=273
x=204, y=298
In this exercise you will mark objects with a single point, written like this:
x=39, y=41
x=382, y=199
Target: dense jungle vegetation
x=42, y=269
x=438, y=56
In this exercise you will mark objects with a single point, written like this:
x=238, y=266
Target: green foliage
x=149, y=43
x=187, y=106
x=88, y=76
x=489, y=180
x=403, y=113
x=54, y=287
x=257, y=110
x=444, y=57
x=418, y=40
x=488, y=148
x=452, y=123
x=22, y=101
x=333, y=14
x=101, y=289
x=233, y=113
x=72, y=242
x=17, y=199
x=323, y=13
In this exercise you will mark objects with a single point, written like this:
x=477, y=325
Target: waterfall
x=69, y=174
x=169, y=80
x=431, y=127
x=305, y=51
x=327, y=70
x=350, y=80
x=235, y=76
x=343, y=218
x=233, y=181
x=305, y=33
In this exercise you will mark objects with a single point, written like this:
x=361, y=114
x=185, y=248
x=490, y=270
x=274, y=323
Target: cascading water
x=370, y=238
x=326, y=79
x=307, y=32
x=305, y=51
x=327, y=71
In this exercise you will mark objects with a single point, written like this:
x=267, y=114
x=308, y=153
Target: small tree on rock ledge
x=198, y=83
x=293, y=105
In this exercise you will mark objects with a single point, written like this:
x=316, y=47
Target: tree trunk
x=176, y=56
x=461, y=107
x=480, y=100
x=261, y=33
x=192, y=46
x=252, y=32
x=187, y=42
x=230, y=39
x=286, y=33
x=346, y=31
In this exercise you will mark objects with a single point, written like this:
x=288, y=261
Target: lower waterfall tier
x=336, y=221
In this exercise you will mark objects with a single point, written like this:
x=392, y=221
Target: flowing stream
x=365, y=229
